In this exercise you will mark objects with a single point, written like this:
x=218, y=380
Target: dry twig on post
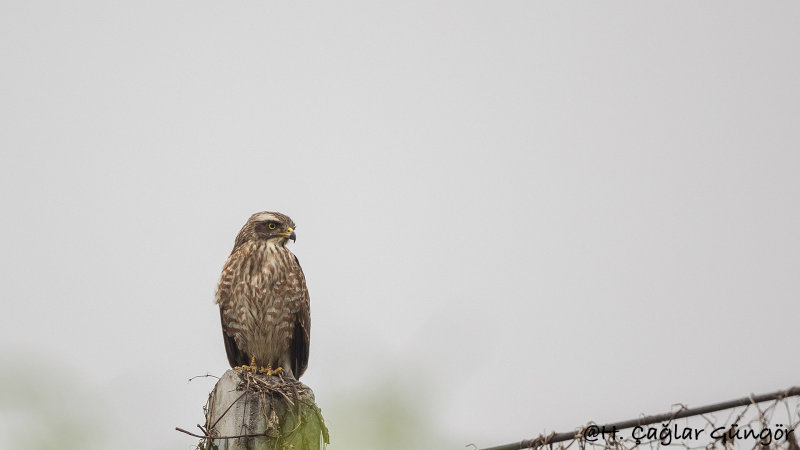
x=248, y=411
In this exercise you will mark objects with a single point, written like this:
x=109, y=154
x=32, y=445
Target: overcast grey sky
x=519, y=215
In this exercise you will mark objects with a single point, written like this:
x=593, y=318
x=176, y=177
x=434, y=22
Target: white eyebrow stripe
x=266, y=216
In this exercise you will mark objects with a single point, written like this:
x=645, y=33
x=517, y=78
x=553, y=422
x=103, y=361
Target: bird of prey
x=263, y=300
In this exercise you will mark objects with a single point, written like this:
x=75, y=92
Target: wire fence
x=755, y=422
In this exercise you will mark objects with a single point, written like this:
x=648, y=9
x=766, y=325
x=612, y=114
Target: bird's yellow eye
x=272, y=226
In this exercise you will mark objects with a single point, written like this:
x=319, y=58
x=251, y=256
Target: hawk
x=263, y=300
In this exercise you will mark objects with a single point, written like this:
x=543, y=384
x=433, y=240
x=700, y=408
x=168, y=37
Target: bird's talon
x=245, y=368
x=269, y=372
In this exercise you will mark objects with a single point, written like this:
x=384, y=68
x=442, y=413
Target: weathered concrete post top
x=249, y=411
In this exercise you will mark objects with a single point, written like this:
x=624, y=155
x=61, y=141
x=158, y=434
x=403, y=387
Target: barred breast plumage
x=263, y=299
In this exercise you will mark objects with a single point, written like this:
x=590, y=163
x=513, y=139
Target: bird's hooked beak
x=290, y=234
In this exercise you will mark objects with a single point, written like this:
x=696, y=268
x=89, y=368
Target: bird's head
x=267, y=226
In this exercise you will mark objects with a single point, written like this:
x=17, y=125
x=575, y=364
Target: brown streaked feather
x=236, y=357
x=264, y=307
x=301, y=338
x=227, y=313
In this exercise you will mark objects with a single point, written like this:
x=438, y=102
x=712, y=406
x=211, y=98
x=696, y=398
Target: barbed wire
x=762, y=422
